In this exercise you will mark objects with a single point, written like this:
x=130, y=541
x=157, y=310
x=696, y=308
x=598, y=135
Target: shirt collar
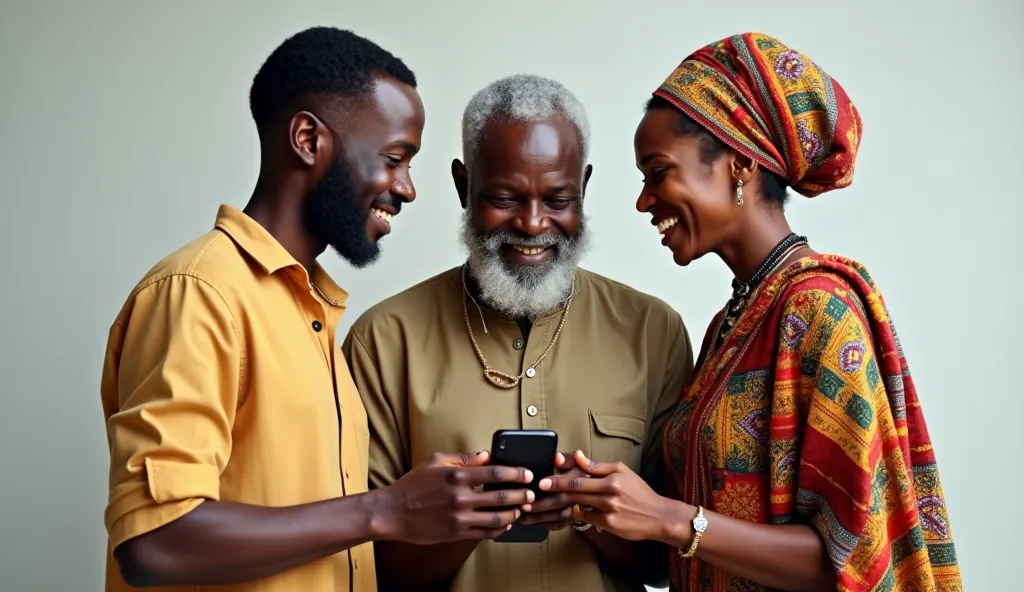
x=252, y=238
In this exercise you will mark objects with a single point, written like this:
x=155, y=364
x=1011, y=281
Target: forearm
x=221, y=543
x=435, y=565
x=645, y=562
x=791, y=558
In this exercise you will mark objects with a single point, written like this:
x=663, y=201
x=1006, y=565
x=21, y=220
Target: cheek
x=490, y=218
x=705, y=198
x=568, y=220
x=371, y=178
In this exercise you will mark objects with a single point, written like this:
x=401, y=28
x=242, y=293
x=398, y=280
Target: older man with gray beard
x=521, y=337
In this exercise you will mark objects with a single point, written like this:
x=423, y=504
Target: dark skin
x=703, y=196
x=528, y=178
x=382, y=136
x=229, y=543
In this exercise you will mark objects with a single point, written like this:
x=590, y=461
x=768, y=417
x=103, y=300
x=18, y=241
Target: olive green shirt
x=607, y=387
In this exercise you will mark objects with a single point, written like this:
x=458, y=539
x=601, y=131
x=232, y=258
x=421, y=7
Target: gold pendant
x=500, y=379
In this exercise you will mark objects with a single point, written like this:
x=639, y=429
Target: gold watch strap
x=699, y=525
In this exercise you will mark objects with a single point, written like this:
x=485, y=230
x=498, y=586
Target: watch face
x=700, y=523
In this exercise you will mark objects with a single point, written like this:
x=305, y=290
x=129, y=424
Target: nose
x=645, y=202
x=530, y=219
x=403, y=187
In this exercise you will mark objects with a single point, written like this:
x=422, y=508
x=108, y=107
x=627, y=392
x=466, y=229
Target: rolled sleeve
x=170, y=387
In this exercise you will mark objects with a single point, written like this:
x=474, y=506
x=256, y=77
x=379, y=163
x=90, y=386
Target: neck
x=757, y=239
x=277, y=208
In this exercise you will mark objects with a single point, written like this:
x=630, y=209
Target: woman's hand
x=554, y=511
x=613, y=498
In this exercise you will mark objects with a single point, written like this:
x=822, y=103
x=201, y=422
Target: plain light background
x=123, y=125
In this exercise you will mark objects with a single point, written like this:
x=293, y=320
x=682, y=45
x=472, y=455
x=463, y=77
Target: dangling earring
x=739, y=192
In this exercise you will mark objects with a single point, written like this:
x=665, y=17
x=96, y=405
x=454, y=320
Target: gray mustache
x=495, y=240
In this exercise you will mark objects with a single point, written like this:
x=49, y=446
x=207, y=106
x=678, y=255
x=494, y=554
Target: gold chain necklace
x=496, y=377
x=324, y=296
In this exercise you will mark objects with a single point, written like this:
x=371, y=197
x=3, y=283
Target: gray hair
x=522, y=97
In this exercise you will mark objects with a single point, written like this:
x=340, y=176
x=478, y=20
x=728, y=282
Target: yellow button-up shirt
x=223, y=381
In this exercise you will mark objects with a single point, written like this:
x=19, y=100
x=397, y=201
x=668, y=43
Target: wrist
x=677, y=528
x=380, y=509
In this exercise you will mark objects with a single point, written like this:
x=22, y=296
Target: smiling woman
x=799, y=453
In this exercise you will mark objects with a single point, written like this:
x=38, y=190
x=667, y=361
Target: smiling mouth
x=528, y=250
x=382, y=215
x=667, y=223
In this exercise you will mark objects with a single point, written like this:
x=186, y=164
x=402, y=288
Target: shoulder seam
x=190, y=273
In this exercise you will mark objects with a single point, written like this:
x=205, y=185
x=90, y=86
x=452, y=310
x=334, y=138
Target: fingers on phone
x=504, y=497
x=547, y=518
x=549, y=503
x=486, y=524
x=499, y=474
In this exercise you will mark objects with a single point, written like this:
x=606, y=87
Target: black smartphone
x=531, y=449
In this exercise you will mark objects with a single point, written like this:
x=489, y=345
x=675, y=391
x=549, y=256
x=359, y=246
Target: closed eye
x=502, y=201
x=562, y=203
x=657, y=176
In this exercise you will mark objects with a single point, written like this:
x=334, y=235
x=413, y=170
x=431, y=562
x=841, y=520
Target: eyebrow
x=409, y=147
x=648, y=158
x=562, y=187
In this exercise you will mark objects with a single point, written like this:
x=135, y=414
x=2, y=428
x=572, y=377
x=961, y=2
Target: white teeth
x=667, y=223
x=382, y=215
x=529, y=250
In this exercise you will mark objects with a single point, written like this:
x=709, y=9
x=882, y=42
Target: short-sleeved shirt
x=223, y=381
x=607, y=388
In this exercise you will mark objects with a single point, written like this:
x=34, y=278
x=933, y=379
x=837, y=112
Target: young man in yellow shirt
x=238, y=443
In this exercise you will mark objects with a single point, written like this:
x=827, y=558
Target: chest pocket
x=617, y=438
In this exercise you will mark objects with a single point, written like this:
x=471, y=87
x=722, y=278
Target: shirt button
x=531, y=411
x=317, y=326
x=518, y=344
x=530, y=373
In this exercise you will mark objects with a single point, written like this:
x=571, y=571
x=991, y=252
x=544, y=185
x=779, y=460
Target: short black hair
x=320, y=60
x=711, y=149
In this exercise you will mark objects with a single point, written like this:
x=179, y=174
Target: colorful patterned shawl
x=807, y=414
x=774, y=105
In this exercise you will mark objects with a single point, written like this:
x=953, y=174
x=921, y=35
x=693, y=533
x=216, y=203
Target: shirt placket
x=529, y=562
x=324, y=322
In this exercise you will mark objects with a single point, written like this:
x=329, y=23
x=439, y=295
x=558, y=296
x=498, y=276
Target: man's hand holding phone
x=554, y=511
x=439, y=500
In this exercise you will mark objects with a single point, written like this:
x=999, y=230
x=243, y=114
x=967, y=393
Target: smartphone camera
x=501, y=444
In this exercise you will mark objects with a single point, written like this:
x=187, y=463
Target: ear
x=742, y=168
x=306, y=137
x=586, y=179
x=461, y=178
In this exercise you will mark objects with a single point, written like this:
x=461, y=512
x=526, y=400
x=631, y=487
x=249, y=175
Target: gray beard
x=527, y=291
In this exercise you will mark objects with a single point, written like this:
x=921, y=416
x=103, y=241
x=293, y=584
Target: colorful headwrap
x=774, y=105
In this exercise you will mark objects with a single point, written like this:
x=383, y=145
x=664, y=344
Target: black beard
x=334, y=215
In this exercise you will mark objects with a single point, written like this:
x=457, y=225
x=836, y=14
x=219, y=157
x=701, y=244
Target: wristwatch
x=700, y=524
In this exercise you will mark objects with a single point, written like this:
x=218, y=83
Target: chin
x=683, y=257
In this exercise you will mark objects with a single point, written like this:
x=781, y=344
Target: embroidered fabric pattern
x=807, y=414
x=774, y=105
